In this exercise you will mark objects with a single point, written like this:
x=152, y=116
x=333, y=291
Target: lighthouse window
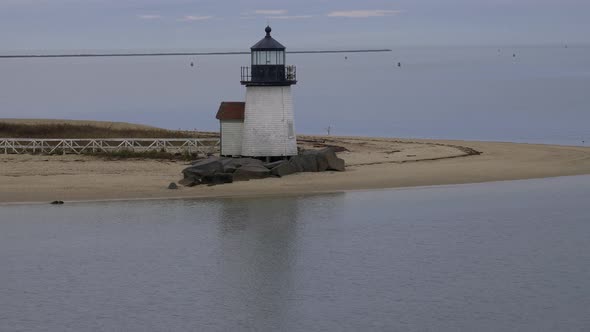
x=268, y=58
x=272, y=58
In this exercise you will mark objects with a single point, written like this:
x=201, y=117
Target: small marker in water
x=192, y=64
x=399, y=64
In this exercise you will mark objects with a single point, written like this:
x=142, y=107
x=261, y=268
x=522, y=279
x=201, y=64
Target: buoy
x=399, y=64
x=192, y=64
x=345, y=58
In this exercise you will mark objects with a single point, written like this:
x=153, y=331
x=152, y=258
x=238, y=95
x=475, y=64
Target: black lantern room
x=268, y=64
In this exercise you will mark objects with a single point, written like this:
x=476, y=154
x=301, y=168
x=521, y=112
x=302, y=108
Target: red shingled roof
x=231, y=110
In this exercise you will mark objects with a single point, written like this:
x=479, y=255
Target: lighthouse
x=269, y=128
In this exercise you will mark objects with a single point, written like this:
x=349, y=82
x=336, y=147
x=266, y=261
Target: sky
x=302, y=24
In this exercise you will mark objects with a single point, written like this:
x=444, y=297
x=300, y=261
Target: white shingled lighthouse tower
x=269, y=129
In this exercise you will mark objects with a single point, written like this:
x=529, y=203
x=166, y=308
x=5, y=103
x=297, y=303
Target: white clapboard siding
x=268, y=122
x=231, y=137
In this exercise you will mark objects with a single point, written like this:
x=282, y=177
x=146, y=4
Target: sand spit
x=372, y=163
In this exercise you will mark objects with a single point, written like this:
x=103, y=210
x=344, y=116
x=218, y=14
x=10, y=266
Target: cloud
x=190, y=18
x=289, y=17
x=270, y=11
x=364, y=13
x=276, y=14
x=149, y=17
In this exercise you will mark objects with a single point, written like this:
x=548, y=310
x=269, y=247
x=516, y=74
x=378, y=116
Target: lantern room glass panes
x=268, y=58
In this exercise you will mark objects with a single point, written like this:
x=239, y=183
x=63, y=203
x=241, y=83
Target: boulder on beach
x=283, y=169
x=305, y=163
x=318, y=161
x=230, y=165
x=216, y=170
x=327, y=159
x=204, y=167
x=275, y=163
x=217, y=178
x=248, y=172
x=189, y=181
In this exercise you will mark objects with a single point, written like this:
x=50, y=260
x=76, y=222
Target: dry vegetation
x=88, y=129
x=102, y=124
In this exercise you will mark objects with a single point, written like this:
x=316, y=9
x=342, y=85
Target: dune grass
x=70, y=131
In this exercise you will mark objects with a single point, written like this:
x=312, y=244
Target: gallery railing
x=269, y=75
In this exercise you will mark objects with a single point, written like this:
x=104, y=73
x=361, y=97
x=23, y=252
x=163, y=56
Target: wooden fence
x=86, y=145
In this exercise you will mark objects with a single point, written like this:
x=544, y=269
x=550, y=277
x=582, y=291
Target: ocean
x=519, y=94
x=504, y=256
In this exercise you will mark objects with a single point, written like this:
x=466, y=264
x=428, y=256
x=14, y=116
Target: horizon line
x=89, y=55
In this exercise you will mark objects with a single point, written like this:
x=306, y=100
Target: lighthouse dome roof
x=268, y=43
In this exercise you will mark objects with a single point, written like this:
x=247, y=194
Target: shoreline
x=372, y=164
x=265, y=195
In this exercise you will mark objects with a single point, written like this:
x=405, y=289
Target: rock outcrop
x=215, y=170
x=327, y=159
x=283, y=169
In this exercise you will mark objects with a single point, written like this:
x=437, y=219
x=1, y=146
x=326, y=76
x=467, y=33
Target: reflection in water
x=257, y=255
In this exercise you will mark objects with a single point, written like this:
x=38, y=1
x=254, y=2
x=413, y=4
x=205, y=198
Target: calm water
x=511, y=256
x=485, y=93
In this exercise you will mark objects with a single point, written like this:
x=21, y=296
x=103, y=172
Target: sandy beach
x=372, y=163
